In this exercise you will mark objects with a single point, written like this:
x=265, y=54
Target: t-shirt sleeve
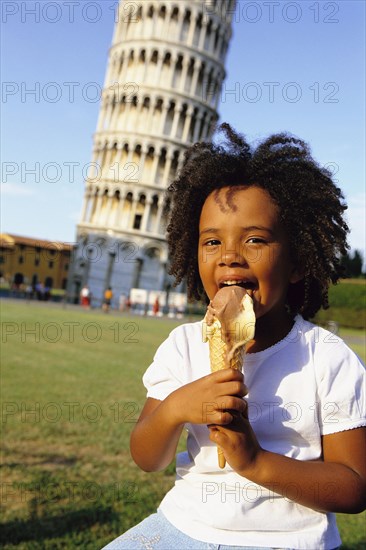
x=341, y=391
x=166, y=373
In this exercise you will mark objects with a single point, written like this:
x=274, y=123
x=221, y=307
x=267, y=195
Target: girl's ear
x=297, y=274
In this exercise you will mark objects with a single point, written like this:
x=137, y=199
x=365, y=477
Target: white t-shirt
x=308, y=385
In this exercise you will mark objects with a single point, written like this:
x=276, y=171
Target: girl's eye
x=212, y=242
x=255, y=240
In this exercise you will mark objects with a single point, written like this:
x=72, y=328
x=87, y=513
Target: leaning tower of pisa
x=161, y=91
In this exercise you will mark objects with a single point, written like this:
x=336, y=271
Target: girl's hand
x=239, y=443
x=213, y=399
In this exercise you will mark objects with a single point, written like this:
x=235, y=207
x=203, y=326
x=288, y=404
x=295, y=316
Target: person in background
x=156, y=306
x=85, y=297
x=108, y=295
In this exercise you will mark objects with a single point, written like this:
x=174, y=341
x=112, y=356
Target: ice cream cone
x=229, y=324
x=218, y=354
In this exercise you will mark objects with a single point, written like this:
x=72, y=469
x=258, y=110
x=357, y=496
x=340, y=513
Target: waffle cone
x=218, y=353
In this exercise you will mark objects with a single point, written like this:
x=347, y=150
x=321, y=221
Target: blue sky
x=295, y=66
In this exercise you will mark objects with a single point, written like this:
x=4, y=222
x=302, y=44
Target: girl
x=291, y=426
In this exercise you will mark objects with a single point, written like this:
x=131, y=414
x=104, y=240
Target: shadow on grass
x=18, y=531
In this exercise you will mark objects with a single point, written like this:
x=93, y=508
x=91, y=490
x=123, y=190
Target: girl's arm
x=335, y=484
x=156, y=435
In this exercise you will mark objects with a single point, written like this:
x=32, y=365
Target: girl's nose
x=232, y=256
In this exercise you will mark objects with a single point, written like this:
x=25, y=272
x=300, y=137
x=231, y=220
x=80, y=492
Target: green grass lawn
x=347, y=302
x=71, y=391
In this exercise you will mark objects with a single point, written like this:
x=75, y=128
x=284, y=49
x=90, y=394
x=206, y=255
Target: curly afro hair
x=311, y=210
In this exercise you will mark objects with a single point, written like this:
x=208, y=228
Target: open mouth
x=248, y=285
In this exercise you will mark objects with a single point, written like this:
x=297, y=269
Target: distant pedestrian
x=122, y=302
x=40, y=291
x=85, y=297
x=29, y=292
x=108, y=295
x=156, y=306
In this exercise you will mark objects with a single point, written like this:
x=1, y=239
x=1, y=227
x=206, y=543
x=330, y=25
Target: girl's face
x=241, y=241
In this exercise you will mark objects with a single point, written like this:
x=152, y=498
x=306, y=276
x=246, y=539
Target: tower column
x=191, y=28
x=164, y=115
x=197, y=127
x=108, y=208
x=130, y=153
x=154, y=165
x=212, y=38
x=182, y=84
x=108, y=113
x=89, y=208
x=196, y=72
x=116, y=105
x=147, y=56
x=120, y=220
x=93, y=170
x=150, y=116
x=114, y=217
x=132, y=213
x=187, y=124
x=159, y=216
x=127, y=114
x=137, y=273
x=98, y=208
x=107, y=164
x=117, y=161
x=159, y=68
x=93, y=207
x=201, y=41
x=110, y=265
x=165, y=25
x=146, y=214
x=86, y=203
x=167, y=167
x=142, y=163
x=124, y=68
x=174, y=129
x=219, y=43
x=205, y=128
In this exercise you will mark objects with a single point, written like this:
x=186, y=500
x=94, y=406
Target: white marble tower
x=162, y=86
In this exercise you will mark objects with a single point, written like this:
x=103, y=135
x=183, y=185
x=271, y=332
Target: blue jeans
x=156, y=533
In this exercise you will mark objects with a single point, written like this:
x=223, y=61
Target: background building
x=25, y=261
x=163, y=82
